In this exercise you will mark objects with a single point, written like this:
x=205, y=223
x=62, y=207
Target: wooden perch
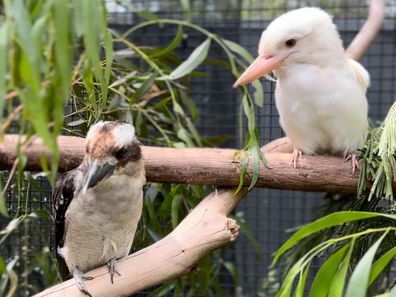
x=205, y=166
x=369, y=31
x=204, y=229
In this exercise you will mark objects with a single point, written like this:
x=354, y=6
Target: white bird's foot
x=112, y=270
x=296, y=155
x=354, y=161
x=79, y=278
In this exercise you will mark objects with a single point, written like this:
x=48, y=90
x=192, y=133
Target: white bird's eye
x=290, y=42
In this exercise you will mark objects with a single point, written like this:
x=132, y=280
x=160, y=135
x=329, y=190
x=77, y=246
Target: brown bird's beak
x=97, y=172
x=261, y=66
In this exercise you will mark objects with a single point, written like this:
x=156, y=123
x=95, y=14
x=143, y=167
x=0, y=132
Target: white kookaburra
x=320, y=92
x=97, y=206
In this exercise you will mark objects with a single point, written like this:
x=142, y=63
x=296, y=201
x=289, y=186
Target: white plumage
x=320, y=93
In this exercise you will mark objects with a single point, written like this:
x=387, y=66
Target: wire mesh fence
x=270, y=214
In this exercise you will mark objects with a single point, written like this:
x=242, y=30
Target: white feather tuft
x=63, y=252
x=123, y=134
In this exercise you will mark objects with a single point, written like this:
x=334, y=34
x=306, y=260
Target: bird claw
x=354, y=161
x=296, y=155
x=79, y=278
x=112, y=270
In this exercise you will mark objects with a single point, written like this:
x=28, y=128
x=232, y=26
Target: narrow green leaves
x=171, y=46
x=379, y=159
x=359, y=280
x=320, y=285
x=331, y=278
x=324, y=223
x=380, y=264
x=337, y=285
x=192, y=62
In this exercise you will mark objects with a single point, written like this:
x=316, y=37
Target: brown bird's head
x=109, y=145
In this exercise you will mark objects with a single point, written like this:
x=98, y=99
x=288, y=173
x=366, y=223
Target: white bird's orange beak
x=261, y=66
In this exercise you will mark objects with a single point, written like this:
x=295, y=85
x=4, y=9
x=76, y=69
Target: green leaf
x=172, y=45
x=3, y=206
x=148, y=15
x=259, y=93
x=324, y=223
x=301, y=283
x=182, y=134
x=380, y=264
x=192, y=62
x=231, y=268
x=41, y=214
x=153, y=218
x=166, y=206
x=359, y=280
x=337, y=284
x=320, y=285
x=2, y=266
x=177, y=108
x=255, y=153
x=76, y=123
x=238, y=49
x=145, y=86
x=176, y=201
x=187, y=9
x=244, y=160
x=287, y=283
x=393, y=292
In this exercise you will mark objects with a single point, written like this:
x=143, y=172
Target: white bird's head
x=109, y=145
x=301, y=36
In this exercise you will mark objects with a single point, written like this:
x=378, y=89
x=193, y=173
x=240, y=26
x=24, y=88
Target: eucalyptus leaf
x=324, y=223
x=380, y=264
x=320, y=285
x=336, y=287
x=148, y=15
x=192, y=62
x=176, y=202
x=359, y=279
x=238, y=49
x=299, y=292
x=171, y=46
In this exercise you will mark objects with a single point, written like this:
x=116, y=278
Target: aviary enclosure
x=168, y=67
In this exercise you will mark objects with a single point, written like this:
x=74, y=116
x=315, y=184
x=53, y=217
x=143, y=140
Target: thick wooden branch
x=369, y=31
x=204, y=229
x=208, y=165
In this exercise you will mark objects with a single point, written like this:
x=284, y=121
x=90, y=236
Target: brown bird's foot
x=354, y=161
x=112, y=270
x=296, y=155
x=79, y=278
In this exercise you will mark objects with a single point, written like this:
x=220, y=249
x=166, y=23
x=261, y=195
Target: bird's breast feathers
x=322, y=108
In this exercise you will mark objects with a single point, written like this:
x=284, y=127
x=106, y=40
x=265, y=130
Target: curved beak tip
x=261, y=66
x=96, y=173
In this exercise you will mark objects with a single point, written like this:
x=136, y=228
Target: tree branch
x=205, y=166
x=204, y=229
x=368, y=32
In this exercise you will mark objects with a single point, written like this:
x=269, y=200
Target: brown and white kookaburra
x=97, y=206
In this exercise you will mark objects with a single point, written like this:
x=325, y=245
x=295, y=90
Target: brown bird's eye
x=290, y=42
x=120, y=153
